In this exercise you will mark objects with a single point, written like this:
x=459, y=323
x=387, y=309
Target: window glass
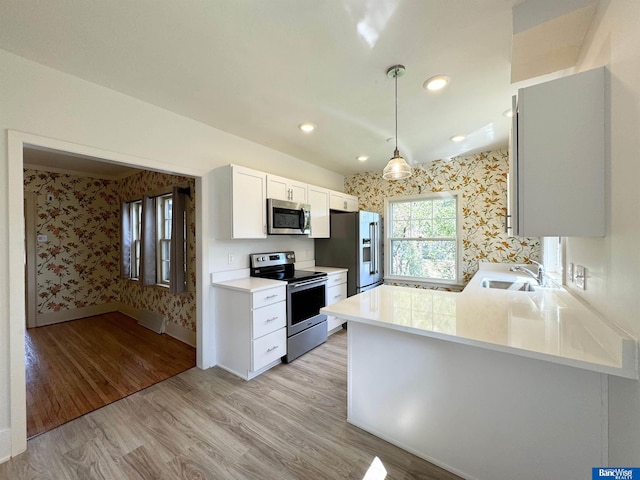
x=422, y=235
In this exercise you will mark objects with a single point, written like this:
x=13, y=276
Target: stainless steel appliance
x=288, y=218
x=306, y=295
x=356, y=244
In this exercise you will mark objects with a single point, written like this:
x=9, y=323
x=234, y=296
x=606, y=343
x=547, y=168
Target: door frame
x=31, y=283
x=205, y=330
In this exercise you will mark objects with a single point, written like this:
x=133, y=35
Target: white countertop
x=547, y=324
x=329, y=270
x=250, y=284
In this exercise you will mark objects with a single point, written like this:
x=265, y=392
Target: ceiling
x=257, y=68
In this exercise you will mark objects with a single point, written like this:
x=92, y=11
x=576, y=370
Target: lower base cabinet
x=252, y=333
x=336, y=291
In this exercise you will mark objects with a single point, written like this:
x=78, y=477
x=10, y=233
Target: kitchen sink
x=508, y=285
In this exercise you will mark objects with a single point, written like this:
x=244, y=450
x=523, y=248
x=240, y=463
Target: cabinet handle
x=338, y=296
x=271, y=319
x=272, y=348
x=270, y=296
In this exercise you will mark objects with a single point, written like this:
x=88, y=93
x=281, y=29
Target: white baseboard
x=5, y=445
x=181, y=333
x=43, y=319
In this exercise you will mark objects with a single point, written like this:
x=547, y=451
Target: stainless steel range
x=306, y=295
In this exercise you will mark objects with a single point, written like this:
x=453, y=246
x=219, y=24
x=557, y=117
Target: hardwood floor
x=75, y=367
x=289, y=423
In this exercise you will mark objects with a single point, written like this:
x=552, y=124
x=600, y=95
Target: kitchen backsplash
x=79, y=264
x=482, y=181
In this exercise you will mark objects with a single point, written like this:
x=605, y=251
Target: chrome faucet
x=538, y=276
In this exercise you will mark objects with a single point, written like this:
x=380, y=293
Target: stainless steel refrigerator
x=356, y=244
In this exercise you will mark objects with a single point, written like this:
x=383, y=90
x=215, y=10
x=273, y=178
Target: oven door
x=288, y=218
x=304, y=301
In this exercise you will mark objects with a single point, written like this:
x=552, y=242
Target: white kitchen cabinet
x=240, y=205
x=318, y=198
x=558, y=158
x=343, y=202
x=336, y=291
x=252, y=334
x=286, y=189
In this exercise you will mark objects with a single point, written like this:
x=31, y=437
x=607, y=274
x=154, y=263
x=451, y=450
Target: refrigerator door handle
x=376, y=243
x=372, y=261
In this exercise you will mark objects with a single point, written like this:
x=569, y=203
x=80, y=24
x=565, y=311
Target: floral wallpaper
x=79, y=264
x=481, y=180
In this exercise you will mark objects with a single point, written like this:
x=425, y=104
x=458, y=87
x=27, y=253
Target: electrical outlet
x=230, y=259
x=580, y=277
x=42, y=238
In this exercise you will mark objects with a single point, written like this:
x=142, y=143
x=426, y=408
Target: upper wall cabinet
x=343, y=202
x=285, y=189
x=558, y=158
x=241, y=195
x=320, y=221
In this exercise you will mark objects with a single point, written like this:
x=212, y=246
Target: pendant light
x=397, y=168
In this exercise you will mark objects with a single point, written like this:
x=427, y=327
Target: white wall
x=613, y=262
x=46, y=103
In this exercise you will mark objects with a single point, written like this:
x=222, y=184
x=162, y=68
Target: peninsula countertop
x=547, y=324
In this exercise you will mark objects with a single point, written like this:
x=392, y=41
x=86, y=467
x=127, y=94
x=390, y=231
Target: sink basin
x=508, y=285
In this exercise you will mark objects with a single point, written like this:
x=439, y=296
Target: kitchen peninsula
x=487, y=383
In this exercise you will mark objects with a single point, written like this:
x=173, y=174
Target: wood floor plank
x=75, y=367
x=289, y=423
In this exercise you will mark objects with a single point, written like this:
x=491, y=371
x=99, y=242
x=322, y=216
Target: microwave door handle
x=302, y=219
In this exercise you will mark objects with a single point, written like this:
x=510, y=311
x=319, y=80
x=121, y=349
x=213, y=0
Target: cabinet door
x=277, y=187
x=320, y=219
x=352, y=203
x=248, y=203
x=286, y=189
x=561, y=157
x=298, y=192
x=338, y=201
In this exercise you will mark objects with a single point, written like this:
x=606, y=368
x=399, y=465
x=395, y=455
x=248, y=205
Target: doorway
x=17, y=141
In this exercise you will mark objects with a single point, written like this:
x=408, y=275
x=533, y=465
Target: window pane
x=424, y=258
x=422, y=210
x=421, y=228
x=400, y=228
x=401, y=211
x=445, y=208
x=444, y=228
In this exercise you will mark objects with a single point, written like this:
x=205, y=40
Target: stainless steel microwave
x=288, y=218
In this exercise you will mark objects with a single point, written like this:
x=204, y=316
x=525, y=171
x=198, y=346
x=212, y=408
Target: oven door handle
x=308, y=282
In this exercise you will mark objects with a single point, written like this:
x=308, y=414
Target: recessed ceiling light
x=436, y=83
x=457, y=138
x=362, y=158
x=508, y=113
x=307, y=127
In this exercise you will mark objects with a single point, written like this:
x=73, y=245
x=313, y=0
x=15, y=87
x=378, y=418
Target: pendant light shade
x=397, y=168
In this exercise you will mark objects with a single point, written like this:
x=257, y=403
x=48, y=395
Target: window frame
x=135, y=216
x=388, y=202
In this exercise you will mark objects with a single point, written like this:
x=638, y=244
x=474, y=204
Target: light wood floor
x=75, y=367
x=289, y=423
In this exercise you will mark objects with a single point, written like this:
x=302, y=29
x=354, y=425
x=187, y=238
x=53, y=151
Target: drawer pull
x=271, y=319
x=270, y=296
x=338, y=296
x=272, y=348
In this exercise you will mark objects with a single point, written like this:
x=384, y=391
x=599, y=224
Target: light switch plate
x=570, y=272
x=580, y=277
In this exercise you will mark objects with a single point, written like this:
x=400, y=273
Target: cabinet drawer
x=337, y=279
x=268, y=349
x=336, y=293
x=267, y=297
x=268, y=319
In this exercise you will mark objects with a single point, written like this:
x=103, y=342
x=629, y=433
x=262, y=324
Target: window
x=165, y=210
x=422, y=238
x=154, y=239
x=136, y=222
